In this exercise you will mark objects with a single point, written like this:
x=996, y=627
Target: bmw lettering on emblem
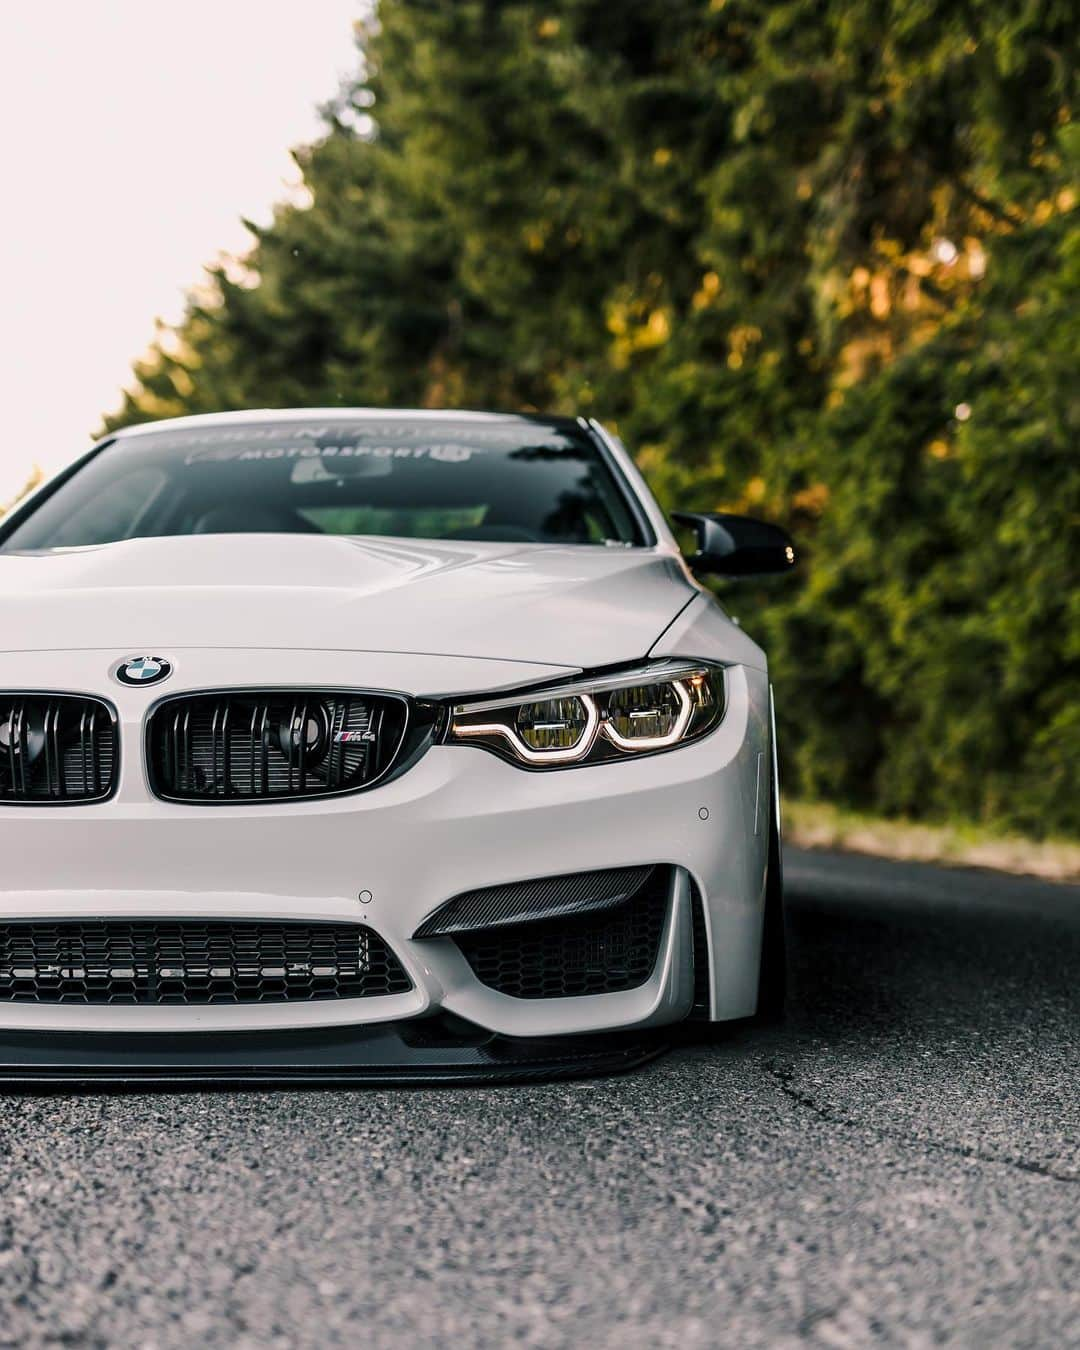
x=143, y=670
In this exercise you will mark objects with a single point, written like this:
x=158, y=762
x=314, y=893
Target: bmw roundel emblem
x=143, y=670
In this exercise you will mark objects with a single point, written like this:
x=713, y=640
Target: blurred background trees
x=36, y=478
x=814, y=261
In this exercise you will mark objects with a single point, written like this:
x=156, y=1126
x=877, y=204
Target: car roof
x=346, y=415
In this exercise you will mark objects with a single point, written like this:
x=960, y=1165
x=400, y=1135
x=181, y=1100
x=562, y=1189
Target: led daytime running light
x=569, y=755
x=673, y=737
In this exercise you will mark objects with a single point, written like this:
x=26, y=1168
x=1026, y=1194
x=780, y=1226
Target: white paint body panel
x=420, y=618
x=579, y=606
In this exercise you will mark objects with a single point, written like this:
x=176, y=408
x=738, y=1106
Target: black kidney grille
x=179, y=962
x=264, y=746
x=602, y=953
x=55, y=749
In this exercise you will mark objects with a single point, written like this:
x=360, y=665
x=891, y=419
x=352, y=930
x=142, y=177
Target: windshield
x=514, y=480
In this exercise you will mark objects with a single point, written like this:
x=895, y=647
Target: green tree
x=779, y=245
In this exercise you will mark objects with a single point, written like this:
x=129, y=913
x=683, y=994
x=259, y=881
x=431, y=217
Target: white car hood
x=575, y=607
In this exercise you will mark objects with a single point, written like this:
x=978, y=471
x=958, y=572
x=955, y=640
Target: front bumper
x=458, y=820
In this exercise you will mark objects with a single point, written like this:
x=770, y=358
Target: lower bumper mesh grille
x=180, y=962
x=599, y=953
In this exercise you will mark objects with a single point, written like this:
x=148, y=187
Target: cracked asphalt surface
x=897, y=1166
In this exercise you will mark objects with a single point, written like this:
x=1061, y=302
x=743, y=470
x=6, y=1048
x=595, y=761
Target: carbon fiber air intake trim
x=542, y=898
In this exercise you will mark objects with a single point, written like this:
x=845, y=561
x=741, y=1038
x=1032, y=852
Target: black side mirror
x=737, y=546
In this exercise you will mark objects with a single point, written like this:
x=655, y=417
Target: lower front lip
x=390, y=1053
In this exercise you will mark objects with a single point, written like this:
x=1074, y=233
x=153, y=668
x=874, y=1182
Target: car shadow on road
x=935, y=1010
x=899, y=961
x=879, y=948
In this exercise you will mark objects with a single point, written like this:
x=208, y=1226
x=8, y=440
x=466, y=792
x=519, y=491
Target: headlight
x=634, y=712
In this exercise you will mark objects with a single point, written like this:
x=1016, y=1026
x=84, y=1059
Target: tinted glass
x=517, y=480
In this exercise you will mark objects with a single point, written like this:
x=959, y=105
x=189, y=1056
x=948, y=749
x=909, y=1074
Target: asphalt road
x=897, y=1166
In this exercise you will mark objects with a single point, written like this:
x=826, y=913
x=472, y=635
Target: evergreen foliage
x=817, y=261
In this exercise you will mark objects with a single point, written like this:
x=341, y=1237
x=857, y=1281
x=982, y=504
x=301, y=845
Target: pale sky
x=134, y=134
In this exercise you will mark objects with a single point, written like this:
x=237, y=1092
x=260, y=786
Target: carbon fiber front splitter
x=422, y=1052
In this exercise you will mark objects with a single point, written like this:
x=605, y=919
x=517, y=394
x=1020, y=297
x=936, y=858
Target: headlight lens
x=653, y=714
x=557, y=724
x=635, y=712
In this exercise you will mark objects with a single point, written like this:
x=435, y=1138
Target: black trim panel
x=702, y=1007
x=393, y=1053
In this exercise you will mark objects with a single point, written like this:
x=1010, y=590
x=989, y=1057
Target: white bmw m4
x=345, y=745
